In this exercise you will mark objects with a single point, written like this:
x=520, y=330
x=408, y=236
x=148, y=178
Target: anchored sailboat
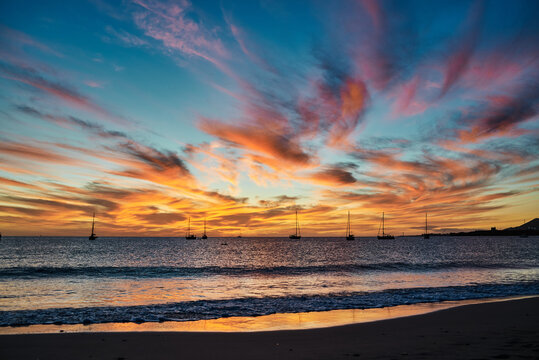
x=297, y=235
x=384, y=236
x=426, y=234
x=349, y=235
x=188, y=235
x=204, y=236
x=93, y=236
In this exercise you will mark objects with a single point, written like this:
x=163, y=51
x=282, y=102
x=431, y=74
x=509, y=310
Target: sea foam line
x=213, y=309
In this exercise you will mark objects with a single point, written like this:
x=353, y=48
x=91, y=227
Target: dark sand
x=498, y=330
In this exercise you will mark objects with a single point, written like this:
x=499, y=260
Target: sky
x=149, y=112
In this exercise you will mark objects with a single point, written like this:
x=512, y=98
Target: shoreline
x=498, y=329
x=272, y=322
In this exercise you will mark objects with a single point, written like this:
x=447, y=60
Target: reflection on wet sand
x=288, y=321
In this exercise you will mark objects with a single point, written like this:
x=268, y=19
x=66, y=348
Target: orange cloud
x=29, y=152
x=333, y=176
x=258, y=139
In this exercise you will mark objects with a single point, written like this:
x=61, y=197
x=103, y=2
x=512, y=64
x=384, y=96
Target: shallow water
x=73, y=280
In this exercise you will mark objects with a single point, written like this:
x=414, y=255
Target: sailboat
x=93, y=236
x=297, y=235
x=204, y=236
x=426, y=234
x=239, y=236
x=384, y=235
x=188, y=235
x=349, y=235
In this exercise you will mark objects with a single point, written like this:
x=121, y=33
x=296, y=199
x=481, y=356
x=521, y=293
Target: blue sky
x=148, y=112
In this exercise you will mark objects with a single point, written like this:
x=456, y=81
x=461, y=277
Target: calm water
x=73, y=280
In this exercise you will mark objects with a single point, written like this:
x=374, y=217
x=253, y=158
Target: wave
x=171, y=271
x=212, y=309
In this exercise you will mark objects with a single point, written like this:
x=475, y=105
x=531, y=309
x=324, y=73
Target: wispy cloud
x=12, y=39
x=171, y=24
x=463, y=51
x=32, y=77
x=70, y=121
x=30, y=152
x=124, y=37
x=93, y=84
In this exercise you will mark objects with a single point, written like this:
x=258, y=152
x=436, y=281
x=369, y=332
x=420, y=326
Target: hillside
x=530, y=225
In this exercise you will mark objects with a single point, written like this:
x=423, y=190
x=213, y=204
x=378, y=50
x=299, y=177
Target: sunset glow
x=150, y=112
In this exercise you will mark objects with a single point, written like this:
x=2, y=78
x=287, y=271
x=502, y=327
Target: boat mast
x=383, y=232
x=189, y=226
x=348, y=227
x=204, y=226
x=426, y=229
x=296, y=222
x=93, y=222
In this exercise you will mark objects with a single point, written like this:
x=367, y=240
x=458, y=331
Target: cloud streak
x=31, y=77
x=460, y=57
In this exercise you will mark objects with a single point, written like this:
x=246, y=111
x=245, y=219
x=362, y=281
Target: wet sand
x=496, y=330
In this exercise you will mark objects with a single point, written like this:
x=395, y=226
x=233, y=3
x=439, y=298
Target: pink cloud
x=93, y=84
x=170, y=24
x=375, y=12
x=17, y=38
x=406, y=101
x=125, y=38
x=336, y=112
x=30, y=76
x=29, y=152
x=239, y=36
x=499, y=69
x=501, y=116
x=459, y=59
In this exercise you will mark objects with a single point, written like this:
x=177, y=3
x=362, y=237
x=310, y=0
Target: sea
x=71, y=280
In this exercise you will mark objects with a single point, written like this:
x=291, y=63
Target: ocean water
x=70, y=280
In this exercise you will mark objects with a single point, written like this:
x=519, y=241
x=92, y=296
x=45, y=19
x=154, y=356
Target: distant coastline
x=531, y=228
x=506, y=232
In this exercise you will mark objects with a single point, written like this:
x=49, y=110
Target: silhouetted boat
x=188, y=235
x=204, y=236
x=426, y=234
x=93, y=236
x=239, y=236
x=297, y=235
x=384, y=235
x=349, y=235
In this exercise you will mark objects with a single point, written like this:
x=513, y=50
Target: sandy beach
x=498, y=330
